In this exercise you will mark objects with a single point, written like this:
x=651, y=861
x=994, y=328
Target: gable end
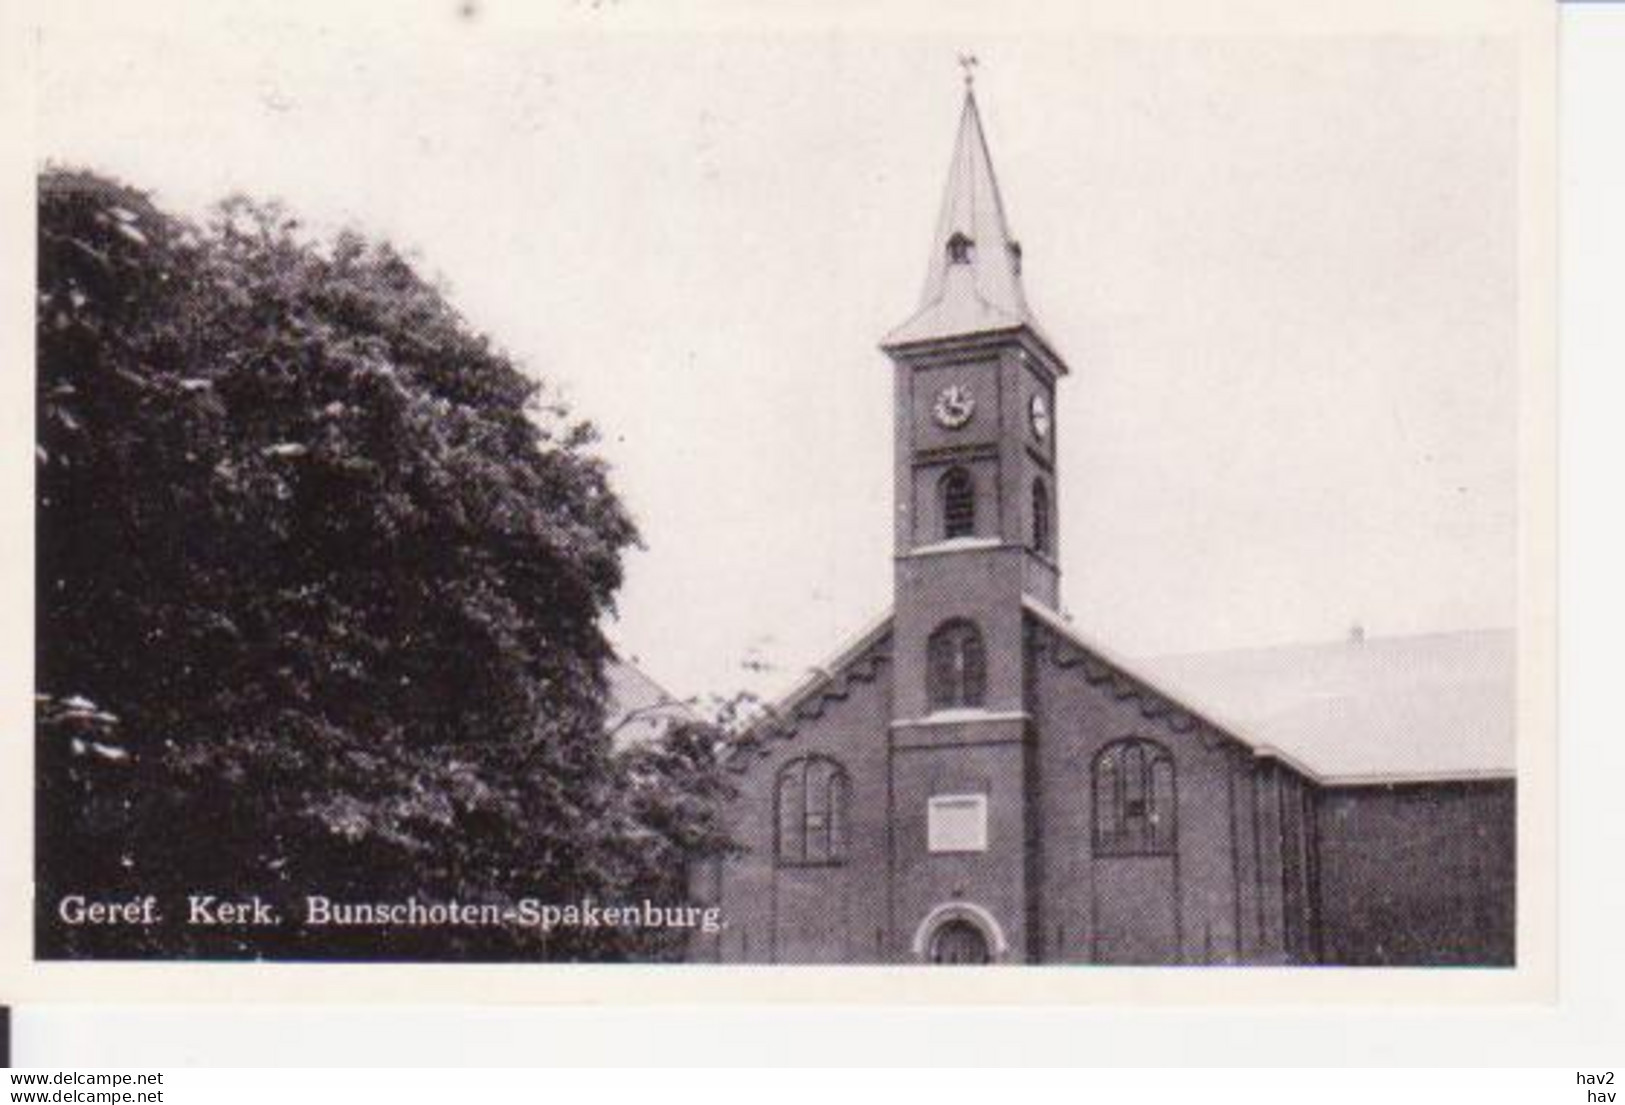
x=859, y=663
x=1065, y=651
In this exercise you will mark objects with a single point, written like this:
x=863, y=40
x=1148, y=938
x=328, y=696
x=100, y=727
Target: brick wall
x=984, y=758
x=1418, y=874
x=833, y=913
x=1189, y=908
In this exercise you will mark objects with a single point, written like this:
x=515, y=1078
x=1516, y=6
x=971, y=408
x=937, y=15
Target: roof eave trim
x=821, y=675
x=1421, y=778
x=1055, y=622
x=892, y=344
x=1270, y=752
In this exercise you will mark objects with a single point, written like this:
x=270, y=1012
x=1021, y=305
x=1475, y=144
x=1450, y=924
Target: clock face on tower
x=1038, y=415
x=953, y=407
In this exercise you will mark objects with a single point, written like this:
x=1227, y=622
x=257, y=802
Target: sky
x=1283, y=271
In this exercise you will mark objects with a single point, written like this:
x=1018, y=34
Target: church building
x=975, y=780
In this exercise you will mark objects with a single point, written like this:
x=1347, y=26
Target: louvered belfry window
x=957, y=665
x=1041, y=525
x=1136, y=812
x=958, y=504
x=812, y=797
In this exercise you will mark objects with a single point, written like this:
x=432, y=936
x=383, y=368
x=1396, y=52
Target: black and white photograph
x=784, y=491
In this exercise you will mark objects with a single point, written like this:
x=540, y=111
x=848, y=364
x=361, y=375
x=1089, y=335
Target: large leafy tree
x=320, y=580
x=670, y=798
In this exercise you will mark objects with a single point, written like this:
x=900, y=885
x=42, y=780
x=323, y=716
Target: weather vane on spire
x=969, y=62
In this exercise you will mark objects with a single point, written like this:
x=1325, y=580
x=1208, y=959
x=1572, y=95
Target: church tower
x=975, y=542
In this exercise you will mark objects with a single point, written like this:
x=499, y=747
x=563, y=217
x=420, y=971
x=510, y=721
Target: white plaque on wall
x=957, y=823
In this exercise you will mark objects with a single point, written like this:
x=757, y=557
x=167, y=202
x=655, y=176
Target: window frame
x=956, y=500
x=793, y=837
x=952, y=687
x=1043, y=519
x=1127, y=773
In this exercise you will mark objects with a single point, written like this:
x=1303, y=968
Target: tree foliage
x=320, y=580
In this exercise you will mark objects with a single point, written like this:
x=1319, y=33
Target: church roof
x=973, y=281
x=1425, y=708
x=639, y=709
x=1433, y=706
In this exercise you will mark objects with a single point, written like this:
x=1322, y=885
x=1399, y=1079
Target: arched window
x=960, y=249
x=1136, y=813
x=958, y=503
x=1041, y=531
x=957, y=663
x=811, y=798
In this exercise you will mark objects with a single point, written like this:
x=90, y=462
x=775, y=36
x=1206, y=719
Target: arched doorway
x=959, y=932
x=957, y=942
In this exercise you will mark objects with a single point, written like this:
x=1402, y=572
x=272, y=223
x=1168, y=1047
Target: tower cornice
x=1029, y=340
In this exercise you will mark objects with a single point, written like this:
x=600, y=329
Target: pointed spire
x=973, y=282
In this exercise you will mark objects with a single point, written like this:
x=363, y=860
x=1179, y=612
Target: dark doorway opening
x=959, y=943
